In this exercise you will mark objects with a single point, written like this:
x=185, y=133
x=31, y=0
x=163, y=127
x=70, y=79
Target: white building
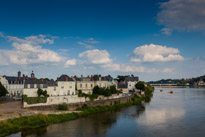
x=128, y=84
x=63, y=86
x=13, y=84
x=86, y=84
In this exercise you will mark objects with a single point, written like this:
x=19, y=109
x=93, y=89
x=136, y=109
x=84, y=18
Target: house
x=86, y=84
x=131, y=82
x=14, y=84
x=201, y=83
x=66, y=86
x=63, y=86
x=128, y=84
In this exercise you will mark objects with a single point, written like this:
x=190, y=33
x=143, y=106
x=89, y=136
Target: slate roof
x=16, y=80
x=132, y=78
x=35, y=81
x=64, y=77
x=52, y=83
x=95, y=78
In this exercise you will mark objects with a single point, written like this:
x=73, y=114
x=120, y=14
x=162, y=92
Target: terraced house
x=14, y=84
x=86, y=84
x=63, y=86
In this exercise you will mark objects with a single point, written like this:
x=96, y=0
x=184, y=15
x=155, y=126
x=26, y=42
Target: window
x=41, y=85
x=68, y=92
x=81, y=85
x=91, y=85
x=62, y=86
x=54, y=88
x=86, y=85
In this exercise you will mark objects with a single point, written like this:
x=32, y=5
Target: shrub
x=62, y=107
x=34, y=100
x=42, y=92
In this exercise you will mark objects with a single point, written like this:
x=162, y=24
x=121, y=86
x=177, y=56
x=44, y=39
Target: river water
x=181, y=114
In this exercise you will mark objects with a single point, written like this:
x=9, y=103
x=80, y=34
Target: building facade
x=63, y=86
x=128, y=84
x=86, y=84
x=13, y=84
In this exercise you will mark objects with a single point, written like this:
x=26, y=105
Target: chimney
x=81, y=76
x=75, y=77
x=91, y=78
x=100, y=77
x=42, y=79
x=66, y=78
x=58, y=78
x=19, y=74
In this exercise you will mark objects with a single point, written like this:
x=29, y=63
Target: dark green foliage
x=30, y=122
x=62, y=107
x=105, y=91
x=34, y=100
x=41, y=92
x=140, y=85
x=121, y=78
x=3, y=90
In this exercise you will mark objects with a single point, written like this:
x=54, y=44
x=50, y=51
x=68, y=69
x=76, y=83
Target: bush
x=62, y=107
x=42, y=92
x=106, y=91
x=34, y=100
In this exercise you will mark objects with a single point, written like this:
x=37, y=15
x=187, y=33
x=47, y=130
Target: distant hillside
x=198, y=81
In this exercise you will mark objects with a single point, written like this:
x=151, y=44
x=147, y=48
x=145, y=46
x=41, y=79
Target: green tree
x=40, y=92
x=3, y=90
x=140, y=85
x=96, y=90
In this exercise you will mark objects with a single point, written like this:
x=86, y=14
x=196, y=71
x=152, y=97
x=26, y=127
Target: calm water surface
x=181, y=114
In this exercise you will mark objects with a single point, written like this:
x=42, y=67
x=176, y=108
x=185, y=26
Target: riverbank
x=30, y=122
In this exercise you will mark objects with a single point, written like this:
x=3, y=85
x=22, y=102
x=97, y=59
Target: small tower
x=19, y=74
x=32, y=75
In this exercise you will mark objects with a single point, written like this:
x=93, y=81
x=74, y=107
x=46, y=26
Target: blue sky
x=148, y=38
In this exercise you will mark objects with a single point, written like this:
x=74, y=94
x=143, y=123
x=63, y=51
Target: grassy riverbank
x=29, y=122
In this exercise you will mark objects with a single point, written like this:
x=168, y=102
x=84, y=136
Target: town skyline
x=109, y=37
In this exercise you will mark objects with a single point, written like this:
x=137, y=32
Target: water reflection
x=158, y=116
x=180, y=114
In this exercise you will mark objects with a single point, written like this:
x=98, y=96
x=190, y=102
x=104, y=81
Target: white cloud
x=166, y=31
x=40, y=39
x=167, y=70
x=92, y=41
x=96, y=56
x=85, y=45
x=156, y=53
x=183, y=15
x=28, y=51
x=123, y=68
x=71, y=62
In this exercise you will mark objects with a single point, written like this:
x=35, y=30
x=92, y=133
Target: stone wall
x=74, y=106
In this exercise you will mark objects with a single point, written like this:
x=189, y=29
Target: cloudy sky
x=152, y=39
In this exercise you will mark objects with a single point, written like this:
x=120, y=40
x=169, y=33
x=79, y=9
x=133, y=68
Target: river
x=181, y=114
